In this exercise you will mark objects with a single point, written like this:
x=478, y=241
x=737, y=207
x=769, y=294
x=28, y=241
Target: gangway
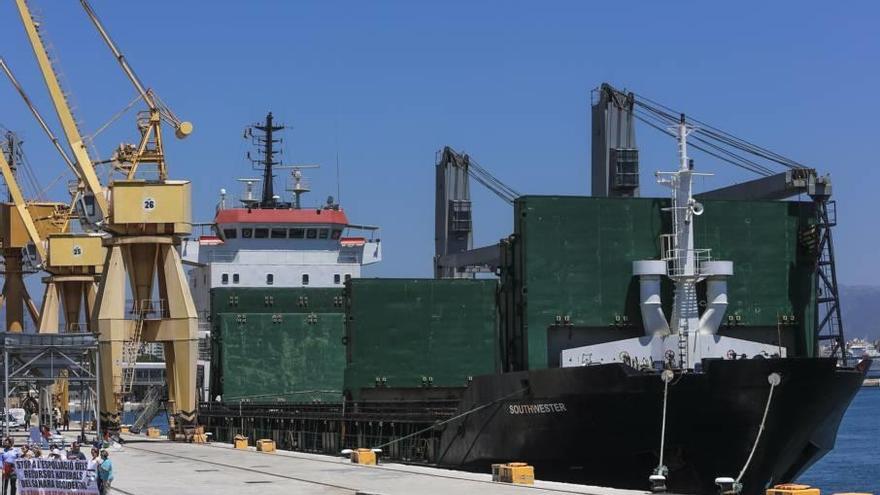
x=151, y=402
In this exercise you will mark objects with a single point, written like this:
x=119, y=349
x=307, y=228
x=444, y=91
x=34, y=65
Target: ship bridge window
x=305, y=279
x=224, y=279
x=323, y=234
x=234, y=278
x=347, y=277
x=336, y=278
x=261, y=233
x=270, y=279
x=278, y=233
x=230, y=233
x=311, y=233
x=247, y=233
x=337, y=233
x=297, y=233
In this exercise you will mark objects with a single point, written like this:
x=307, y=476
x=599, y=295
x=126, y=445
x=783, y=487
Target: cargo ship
x=649, y=343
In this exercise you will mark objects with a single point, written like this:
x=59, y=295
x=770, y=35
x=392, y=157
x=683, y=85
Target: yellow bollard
x=240, y=442
x=518, y=473
x=266, y=445
x=364, y=456
x=793, y=489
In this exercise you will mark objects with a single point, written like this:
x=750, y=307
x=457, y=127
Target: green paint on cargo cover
x=405, y=329
x=575, y=259
x=273, y=299
x=293, y=356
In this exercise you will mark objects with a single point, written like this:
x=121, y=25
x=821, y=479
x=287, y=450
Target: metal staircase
x=131, y=347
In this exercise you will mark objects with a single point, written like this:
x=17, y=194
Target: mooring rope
x=774, y=380
x=666, y=376
x=454, y=418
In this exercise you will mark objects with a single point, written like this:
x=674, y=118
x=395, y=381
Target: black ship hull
x=600, y=425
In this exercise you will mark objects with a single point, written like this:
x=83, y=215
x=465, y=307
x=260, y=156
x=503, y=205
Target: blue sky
x=385, y=85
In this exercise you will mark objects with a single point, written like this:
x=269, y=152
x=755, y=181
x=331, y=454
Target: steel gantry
x=39, y=360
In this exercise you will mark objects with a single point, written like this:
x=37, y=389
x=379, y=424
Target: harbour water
x=854, y=464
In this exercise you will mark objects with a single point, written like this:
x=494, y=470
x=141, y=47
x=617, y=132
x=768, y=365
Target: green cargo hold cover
x=296, y=357
x=419, y=332
x=572, y=258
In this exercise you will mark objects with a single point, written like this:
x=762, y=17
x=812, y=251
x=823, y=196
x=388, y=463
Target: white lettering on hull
x=555, y=407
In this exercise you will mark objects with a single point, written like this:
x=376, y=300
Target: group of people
x=100, y=467
x=62, y=419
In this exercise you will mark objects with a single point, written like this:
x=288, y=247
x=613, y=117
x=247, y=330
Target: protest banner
x=54, y=477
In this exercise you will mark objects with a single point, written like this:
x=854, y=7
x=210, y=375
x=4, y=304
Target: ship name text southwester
x=555, y=407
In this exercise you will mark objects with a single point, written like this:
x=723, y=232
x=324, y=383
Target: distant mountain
x=860, y=304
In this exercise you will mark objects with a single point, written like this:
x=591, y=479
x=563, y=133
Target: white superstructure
x=278, y=247
x=688, y=336
x=268, y=242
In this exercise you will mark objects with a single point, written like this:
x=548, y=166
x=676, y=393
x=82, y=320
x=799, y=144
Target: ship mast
x=266, y=144
x=679, y=253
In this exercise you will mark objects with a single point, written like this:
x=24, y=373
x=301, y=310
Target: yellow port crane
x=146, y=220
x=73, y=259
x=23, y=223
x=18, y=226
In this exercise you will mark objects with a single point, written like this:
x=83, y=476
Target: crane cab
x=150, y=207
x=79, y=252
x=48, y=219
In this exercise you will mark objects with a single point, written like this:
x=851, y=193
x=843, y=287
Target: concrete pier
x=159, y=467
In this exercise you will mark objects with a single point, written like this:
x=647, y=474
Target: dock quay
x=161, y=467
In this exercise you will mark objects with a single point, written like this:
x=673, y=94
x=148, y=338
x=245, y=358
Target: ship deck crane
x=146, y=220
x=454, y=254
x=615, y=162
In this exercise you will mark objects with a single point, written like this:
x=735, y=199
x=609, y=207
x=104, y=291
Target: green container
x=265, y=357
x=267, y=300
x=569, y=264
x=411, y=333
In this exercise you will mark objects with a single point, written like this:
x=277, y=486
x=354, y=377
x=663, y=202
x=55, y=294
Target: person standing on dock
x=75, y=454
x=10, y=454
x=105, y=472
x=93, y=467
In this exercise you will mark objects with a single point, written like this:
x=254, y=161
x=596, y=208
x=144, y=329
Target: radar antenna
x=264, y=139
